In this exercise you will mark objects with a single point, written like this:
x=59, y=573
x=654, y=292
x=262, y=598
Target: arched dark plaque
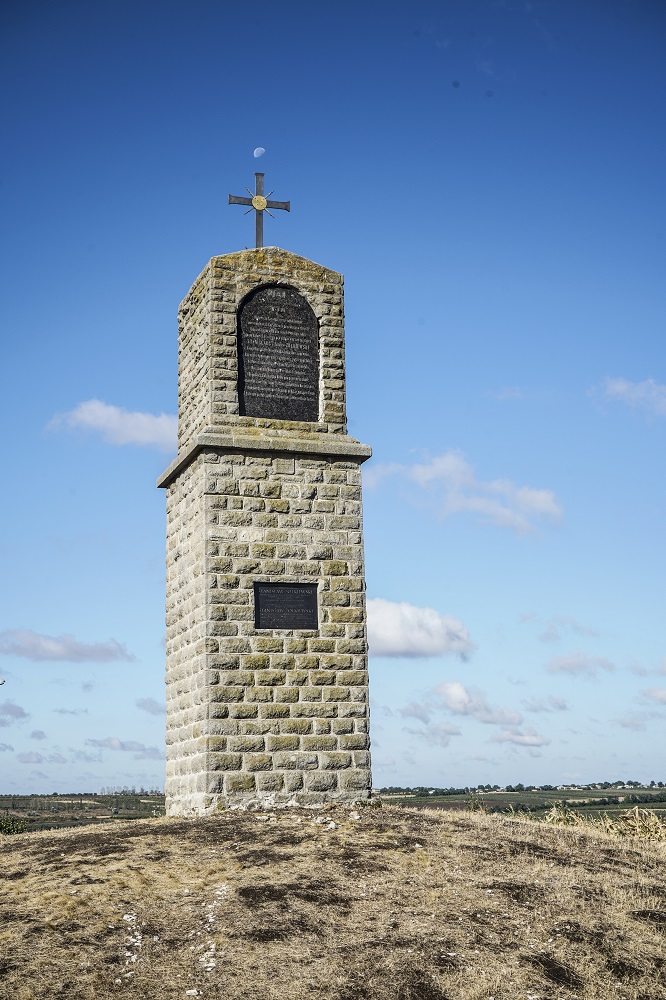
x=278, y=356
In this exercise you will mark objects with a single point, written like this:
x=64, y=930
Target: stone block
x=262, y=551
x=336, y=694
x=308, y=693
x=354, y=741
x=269, y=781
x=256, y=727
x=262, y=694
x=304, y=663
x=225, y=761
x=313, y=710
x=336, y=761
x=352, y=678
x=319, y=742
x=227, y=694
x=271, y=678
x=245, y=711
x=351, y=710
x=235, y=678
x=335, y=661
x=295, y=645
x=299, y=726
x=321, y=781
x=355, y=780
x=322, y=677
x=274, y=711
x=215, y=743
x=258, y=761
x=222, y=727
x=335, y=567
x=346, y=614
x=297, y=677
x=257, y=661
x=342, y=725
x=244, y=744
x=282, y=661
x=296, y=761
x=274, y=743
x=239, y=783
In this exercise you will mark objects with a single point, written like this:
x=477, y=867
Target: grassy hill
x=374, y=904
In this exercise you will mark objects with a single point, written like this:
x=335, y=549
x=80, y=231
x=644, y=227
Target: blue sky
x=488, y=176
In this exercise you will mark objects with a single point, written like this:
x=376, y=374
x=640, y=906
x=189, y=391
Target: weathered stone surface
x=276, y=716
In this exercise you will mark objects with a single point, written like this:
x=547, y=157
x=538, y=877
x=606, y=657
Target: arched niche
x=278, y=355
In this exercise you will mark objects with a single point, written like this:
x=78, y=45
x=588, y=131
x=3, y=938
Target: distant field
x=54, y=812
x=612, y=803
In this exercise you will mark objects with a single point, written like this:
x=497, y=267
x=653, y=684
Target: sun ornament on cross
x=259, y=204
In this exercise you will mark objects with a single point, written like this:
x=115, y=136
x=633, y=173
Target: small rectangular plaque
x=285, y=605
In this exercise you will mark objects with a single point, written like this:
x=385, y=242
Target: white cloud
x=416, y=711
x=579, y=664
x=549, y=704
x=38, y=758
x=11, y=712
x=118, y=426
x=633, y=722
x=637, y=720
x=140, y=751
x=38, y=734
x=436, y=733
x=401, y=629
x=151, y=706
x=452, y=482
x=469, y=701
x=657, y=694
x=648, y=395
x=4, y=747
x=33, y=646
x=525, y=737
x=556, y=627
x=71, y=711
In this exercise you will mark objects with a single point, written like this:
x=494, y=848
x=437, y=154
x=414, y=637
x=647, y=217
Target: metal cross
x=260, y=204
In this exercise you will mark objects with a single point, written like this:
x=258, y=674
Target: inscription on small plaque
x=285, y=605
x=278, y=356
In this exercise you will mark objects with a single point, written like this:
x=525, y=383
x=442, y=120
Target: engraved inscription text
x=278, y=353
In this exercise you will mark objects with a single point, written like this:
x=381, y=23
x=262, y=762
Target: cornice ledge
x=340, y=445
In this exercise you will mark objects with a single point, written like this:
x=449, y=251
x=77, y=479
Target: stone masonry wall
x=288, y=710
x=187, y=705
x=208, y=357
x=259, y=717
x=194, y=361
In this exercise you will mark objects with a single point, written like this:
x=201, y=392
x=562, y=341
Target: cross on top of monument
x=260, y=204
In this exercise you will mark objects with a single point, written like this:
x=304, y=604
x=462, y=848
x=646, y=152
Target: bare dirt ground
x=373, y=904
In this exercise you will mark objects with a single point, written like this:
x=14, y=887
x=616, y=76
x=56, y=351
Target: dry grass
x=381, y=904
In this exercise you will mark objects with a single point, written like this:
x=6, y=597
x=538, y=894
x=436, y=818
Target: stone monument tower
x=267, y=691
